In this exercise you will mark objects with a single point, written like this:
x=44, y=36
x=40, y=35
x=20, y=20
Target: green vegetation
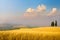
x=54, y=24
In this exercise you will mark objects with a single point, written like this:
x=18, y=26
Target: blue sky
x=11, y=8
x=22, y=5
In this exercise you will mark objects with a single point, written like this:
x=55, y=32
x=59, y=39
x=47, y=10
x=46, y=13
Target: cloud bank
x=38, y=16
x=40, y=10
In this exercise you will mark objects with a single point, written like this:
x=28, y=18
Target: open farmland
x=42, y=33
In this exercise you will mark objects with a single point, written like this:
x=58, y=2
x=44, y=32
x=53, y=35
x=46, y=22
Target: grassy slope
x=42, y=33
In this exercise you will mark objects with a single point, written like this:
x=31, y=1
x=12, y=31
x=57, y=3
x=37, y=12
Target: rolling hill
x=42, y=33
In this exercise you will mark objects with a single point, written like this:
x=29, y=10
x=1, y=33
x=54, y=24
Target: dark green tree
x=55, y=22
x=52, y=23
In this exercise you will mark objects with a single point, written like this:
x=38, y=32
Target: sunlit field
x=42, y=33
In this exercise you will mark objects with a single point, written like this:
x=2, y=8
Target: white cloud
x=30, y=10
x=35, y=12
x=41, y=8
x=52, y=12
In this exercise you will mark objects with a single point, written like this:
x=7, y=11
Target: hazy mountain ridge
x=10, y=26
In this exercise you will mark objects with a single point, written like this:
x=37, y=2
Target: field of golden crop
x=42, y=33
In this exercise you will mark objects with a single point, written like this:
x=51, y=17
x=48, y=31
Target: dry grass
x=42, y=33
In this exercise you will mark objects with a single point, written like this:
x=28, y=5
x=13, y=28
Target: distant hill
x=11, y=26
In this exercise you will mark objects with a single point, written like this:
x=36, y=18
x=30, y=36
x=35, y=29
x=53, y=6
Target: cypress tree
x=52, y=23
x=55, y=22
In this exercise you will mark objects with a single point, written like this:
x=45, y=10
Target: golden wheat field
x=42, y=33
